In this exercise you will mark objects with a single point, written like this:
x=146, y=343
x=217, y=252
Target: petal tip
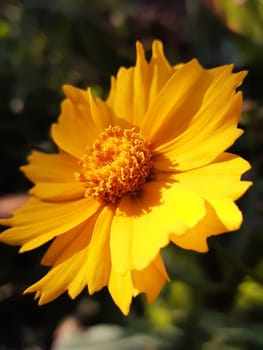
x=66, y=88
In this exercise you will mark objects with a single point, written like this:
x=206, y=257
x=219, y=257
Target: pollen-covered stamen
x=118, y=163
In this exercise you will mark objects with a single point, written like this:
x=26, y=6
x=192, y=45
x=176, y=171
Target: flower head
x=143, y=168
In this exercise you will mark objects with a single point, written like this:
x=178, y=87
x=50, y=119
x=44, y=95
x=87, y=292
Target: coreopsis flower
x=143, y=168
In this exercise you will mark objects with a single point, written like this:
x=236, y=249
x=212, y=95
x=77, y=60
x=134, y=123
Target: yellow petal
x=38, y=222
x=61, y=243
x=221, y=178
x=142, y=76
x=149, y=280
x=98, y=265
x=121, y=290
x=101, y=114
x=171, y=110
x=227, y=212
x=70, y=255
x=70, y=243
x=123, y=287
x=135, y=88
x=219, y=183
x=196, y=238
x=57, y=280
x=112, y=93
x=58, y=192
x=130, y=91
x=76, y=95
x=56, y=168
x=53, y=175
x=212, y=129
x=158, y=211
x=158, y=59
x=159, y=264
x=79, y=244
x=75, y=129
x=160, y=69
x=121, y=102
x=120, y=244
x=79, y=282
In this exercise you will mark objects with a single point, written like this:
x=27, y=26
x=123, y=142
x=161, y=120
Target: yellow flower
x=132, y=173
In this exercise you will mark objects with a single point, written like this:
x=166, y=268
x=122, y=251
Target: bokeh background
x=215, y=300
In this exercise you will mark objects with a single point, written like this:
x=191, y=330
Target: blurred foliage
x=215, y=300
x=244, y=17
